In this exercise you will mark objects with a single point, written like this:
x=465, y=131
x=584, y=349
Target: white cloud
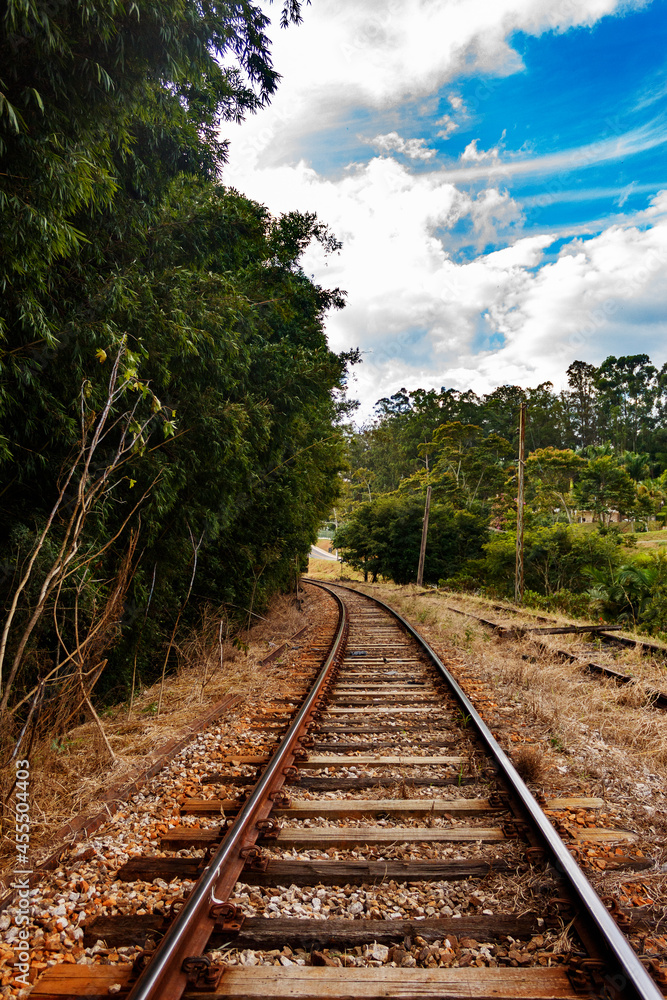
x=475, y=155
x=421, y=315
x=377, y=53
x=415, y=149
x=489, y=164
x=422, y=318
x=448, y=126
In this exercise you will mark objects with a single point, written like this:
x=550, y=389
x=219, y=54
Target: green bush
x=382, y=538
x=555, y=559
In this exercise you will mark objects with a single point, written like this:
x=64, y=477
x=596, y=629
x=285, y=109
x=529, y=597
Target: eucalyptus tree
x=628, y=388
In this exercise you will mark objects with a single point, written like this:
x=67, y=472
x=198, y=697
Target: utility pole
x=518, y=575
x=422, y=548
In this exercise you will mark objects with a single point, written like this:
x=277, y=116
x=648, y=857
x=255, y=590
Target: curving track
x=390, y=772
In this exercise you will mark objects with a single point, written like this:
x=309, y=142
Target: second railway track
x=387, y=848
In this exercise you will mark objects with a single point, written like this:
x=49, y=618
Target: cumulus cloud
x=415, y=149
x=422, y=317
x=421, y=314
x=377, y=53
x=448, y=125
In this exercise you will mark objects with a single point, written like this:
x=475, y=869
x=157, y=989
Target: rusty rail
x=178, y=962
x=629, y=978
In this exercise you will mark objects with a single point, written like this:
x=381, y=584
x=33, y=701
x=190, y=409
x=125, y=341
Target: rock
x=52, y=942
x=319, y=958
x=378, y=952
x=397, y=954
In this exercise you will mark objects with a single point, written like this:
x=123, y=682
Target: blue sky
x=495, y=171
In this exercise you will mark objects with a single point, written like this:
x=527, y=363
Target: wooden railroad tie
x=338, y=808
x=338, y=932
x=340, y=760
x=312, y=982
x=333, y=836
x=325, y=872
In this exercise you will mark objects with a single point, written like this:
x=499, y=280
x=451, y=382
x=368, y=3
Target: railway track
x=390, y=843
x=654, y=697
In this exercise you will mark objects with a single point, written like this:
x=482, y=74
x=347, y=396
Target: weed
x=64, y=745
x=150, y=709
x=557, y=743
x=528, y=762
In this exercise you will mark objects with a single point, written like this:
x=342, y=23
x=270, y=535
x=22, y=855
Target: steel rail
x=168, y=956
x=634, y=975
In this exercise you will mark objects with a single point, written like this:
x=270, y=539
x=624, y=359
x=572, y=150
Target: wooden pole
x=422, y=549
x=518, y=575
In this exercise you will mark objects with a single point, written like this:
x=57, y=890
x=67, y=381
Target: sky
x=495, y=170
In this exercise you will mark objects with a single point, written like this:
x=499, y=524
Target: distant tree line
x=596, y=451
x=622, y=404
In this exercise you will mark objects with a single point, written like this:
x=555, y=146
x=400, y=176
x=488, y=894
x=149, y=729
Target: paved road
x=317, y=553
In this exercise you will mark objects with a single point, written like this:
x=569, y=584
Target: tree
x=383, y=537
x=582, y=396
x=550, y=477
x=649, y=500
x=228, y=331
x=628, y=388
x=636, y=464
x=470, y=468
x=97, y=99
x=556, y=559
x=499, y=411
x=604, y=486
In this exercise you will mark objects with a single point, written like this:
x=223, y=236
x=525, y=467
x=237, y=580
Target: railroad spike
x=203, y=975
x=255, y=859
x=228, y=917
x=617, y=912
x=268, y=828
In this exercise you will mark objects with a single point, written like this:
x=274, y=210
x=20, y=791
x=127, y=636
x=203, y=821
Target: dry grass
x=327, y=569
x=588, y=732
x=68, y=774
x=528, y=762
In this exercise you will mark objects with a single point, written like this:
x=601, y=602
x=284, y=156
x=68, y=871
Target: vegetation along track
x=390, y=843
x=653, y=697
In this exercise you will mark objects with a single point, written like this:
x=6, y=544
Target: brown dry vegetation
x=594, y=721
x=67, y=775
x=326, y=569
